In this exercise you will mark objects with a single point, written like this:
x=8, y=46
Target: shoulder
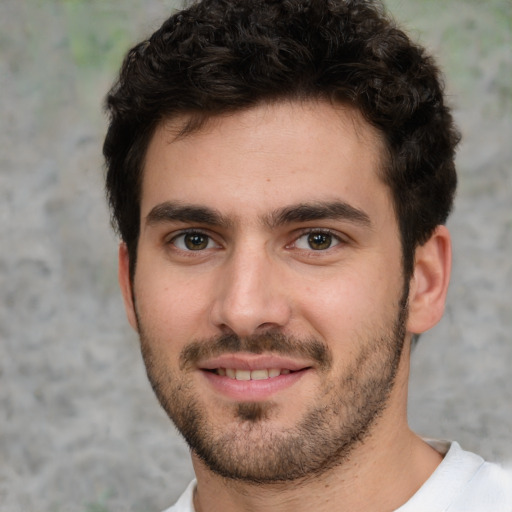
x=463, y=482
x=489, y=489
x=185, y=502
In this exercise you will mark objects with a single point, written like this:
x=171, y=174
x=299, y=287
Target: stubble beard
x=246, y=447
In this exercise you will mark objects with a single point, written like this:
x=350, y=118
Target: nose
x=250, y=296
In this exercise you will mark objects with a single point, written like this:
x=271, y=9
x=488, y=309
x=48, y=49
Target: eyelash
x=182, y=234
x=308, y=232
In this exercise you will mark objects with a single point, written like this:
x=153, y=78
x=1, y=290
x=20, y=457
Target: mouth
x=250, y=377
x=243, y=374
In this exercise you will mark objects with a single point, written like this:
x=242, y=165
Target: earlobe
x=126, y=284
x=429, y=284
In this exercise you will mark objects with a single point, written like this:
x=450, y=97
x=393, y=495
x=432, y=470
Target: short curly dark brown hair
x=219, y=56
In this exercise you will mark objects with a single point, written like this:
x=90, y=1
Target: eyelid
x=336, y=235
x=170, y=239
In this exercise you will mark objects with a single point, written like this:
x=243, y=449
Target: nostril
x=265, y=327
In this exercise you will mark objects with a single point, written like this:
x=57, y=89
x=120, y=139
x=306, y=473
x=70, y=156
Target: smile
x=242, y=374
x=253, y=377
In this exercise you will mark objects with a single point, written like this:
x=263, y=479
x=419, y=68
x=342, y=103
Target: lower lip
x=252, y=390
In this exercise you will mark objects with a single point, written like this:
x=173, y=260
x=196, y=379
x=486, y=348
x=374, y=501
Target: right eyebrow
x=187, y=213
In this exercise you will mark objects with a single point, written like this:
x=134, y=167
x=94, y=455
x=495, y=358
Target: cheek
x=350, y=303
x=331, y=305
x=171, y=308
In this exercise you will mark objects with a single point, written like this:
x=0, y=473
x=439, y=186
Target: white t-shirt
x=463, y=482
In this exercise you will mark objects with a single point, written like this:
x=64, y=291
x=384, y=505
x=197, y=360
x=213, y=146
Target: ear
x=429, y=284
x=125, y=283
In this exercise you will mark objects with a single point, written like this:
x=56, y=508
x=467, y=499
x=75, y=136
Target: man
x=280, y=173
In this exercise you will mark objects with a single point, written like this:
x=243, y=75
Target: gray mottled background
x=79, y=427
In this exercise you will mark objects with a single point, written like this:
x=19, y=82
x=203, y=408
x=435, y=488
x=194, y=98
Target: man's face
x=269, y=294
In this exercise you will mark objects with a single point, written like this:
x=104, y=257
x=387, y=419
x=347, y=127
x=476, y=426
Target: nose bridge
x=250, y=296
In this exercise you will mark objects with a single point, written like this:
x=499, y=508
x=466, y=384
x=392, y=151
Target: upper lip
x=246, y=361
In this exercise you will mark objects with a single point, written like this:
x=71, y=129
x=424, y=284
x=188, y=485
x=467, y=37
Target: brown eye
x=319, y=241
x=193, y=242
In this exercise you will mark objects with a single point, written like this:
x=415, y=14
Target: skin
x=258, y=273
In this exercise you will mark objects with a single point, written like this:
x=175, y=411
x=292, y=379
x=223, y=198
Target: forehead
x=260, y=158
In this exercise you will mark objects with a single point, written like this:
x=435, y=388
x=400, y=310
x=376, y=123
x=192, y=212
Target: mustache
x=271, y=342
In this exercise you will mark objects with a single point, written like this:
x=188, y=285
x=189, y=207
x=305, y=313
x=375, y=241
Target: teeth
x=259, y=374
x=242, y=375
x=233, y=373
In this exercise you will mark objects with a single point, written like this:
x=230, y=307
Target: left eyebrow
x=304, y=212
